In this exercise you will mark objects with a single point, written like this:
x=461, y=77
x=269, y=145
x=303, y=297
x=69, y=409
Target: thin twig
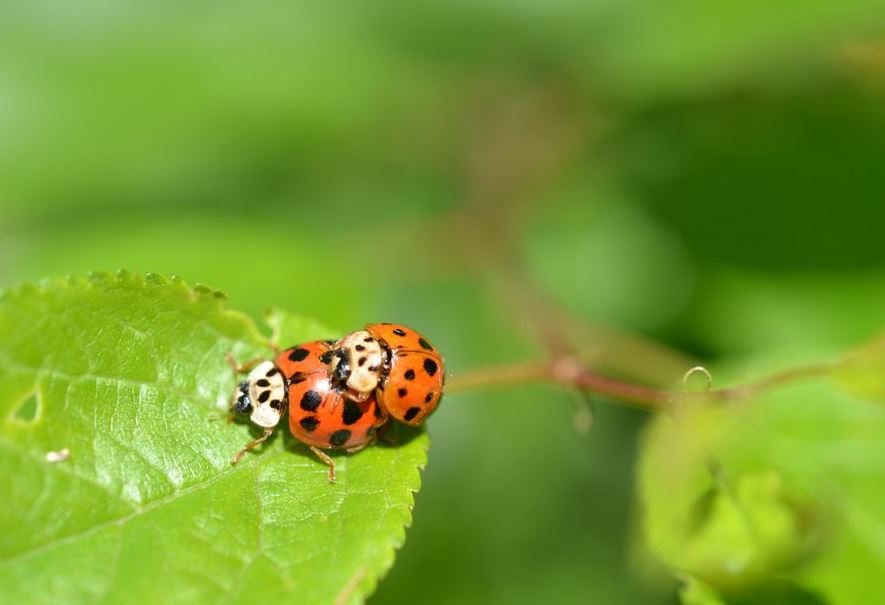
x=569, y=372
x=499, y=171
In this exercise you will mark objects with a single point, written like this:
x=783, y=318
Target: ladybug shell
x=414, y=383
x=319, y=414
x=304, y=359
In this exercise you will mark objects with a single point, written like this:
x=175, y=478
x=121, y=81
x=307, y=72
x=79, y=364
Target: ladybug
x=320, y=416
x=339, y=393
x=397, y=364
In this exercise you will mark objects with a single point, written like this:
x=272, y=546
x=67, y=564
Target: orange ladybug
x=319, y=414
x=399, y=365
x=338, y=393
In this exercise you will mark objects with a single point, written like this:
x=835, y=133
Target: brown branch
x=516, y=141
x=567, y=371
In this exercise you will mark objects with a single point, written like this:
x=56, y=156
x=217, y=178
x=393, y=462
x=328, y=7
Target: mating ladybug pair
x=339, y=393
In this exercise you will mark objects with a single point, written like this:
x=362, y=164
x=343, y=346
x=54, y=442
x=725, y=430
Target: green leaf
x=864, y=372
x=695, y=592
x=780, y=494
x=778, y=592
x=669, y=48
x=127, y=372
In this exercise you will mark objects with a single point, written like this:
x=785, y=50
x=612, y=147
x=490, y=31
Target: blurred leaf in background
x=706, y=174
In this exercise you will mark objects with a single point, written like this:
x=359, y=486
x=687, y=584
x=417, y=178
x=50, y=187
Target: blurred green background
x=623, y=179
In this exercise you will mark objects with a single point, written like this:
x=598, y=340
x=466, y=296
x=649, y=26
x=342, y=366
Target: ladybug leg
x=326, y=460
x=241, y=368
x=252, y=445
x=216, y=416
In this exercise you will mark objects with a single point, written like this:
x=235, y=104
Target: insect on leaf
x=128, y=373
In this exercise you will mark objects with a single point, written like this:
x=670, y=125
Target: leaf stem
x=568, y=371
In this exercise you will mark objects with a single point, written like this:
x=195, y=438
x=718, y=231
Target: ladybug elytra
x=340, y=393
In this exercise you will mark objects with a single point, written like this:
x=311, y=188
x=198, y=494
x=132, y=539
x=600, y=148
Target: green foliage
x=787, y=484
x=128, y=372
x=716, y=191
x=777, y=592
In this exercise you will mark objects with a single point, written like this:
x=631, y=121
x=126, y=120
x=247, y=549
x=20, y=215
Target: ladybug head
x=242, y=401
x=340, y=367
x=357, y=362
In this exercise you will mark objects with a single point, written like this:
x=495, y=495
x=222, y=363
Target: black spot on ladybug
x=430, y=366
x=309, y=423
x=368, y=339
x=402, y=392
x=360, y=348
x=352, y=412
x=265, y=395
x=298, y=354
x=298, y=377
x=339, y=438
x=263, y=383
x=428, y=397
x=411, y=413
x=326, y=357
x=424, y=344
x=310, y=401
x=361, y=362
x=410, y=374
x=271, y=372
x=373, y=368
x=399, y=331
x=276, y=404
